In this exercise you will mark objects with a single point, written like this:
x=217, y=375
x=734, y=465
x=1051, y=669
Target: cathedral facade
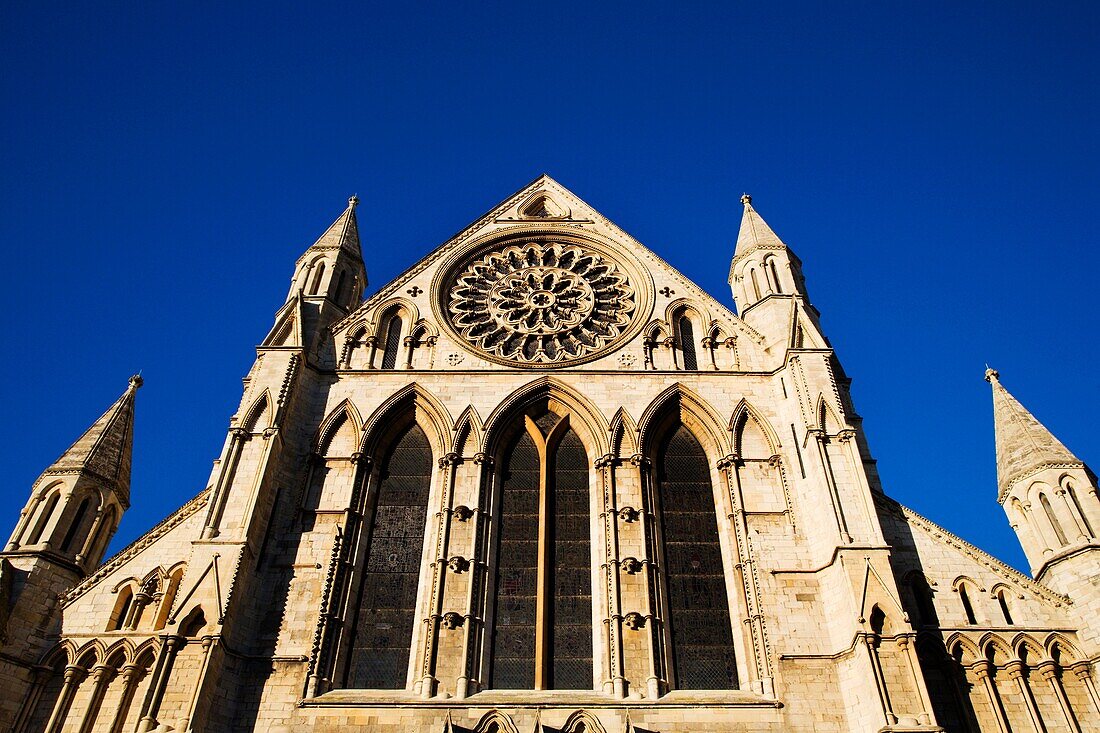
x=543, y=482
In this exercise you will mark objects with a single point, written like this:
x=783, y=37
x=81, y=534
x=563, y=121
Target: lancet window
x=392, y=346
x=383, y=624
x=542, y=616
x=699, y=632
x=687, y=343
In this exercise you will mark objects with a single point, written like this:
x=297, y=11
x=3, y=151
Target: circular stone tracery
x=540, y=302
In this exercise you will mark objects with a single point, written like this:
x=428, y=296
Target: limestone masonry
x=543, y=482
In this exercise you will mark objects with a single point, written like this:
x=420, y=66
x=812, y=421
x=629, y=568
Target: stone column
x=225, y=481
x=86, y=547
x=906, y=644
x=25, y=517
x=1049, y=672
x=871, y=641
x=1083, y=672
x=473, y=630
x=372, y=344
x=983, y=670
x=101, y=679
x=1016, y=671
x=132, y=676
x=46, y=536
x=73, y=677
x=165, y=660
x=439, y=566
x=656, y=683
x=605, y=466
x=1072, y=511
x=208, y=643
x=822, y=441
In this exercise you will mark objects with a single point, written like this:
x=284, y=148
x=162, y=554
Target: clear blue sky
x=935, y=166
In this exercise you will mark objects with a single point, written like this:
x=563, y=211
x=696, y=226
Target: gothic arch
x=402, y=306
x=958, y=642
x=343, y=412
x=695, y=412
x=582, y=720
x=738, y=422
x=587, y=419
x=259, y=415
x=993, y=647
x=1028, y=649
x=1057, y=645
x=124, y=647
x=827, y=418
x=469, y=432
x=680, y=306
x=495, y=721
x=89, y=655
x=624, y=434
x=656, y=331
x=436, y=422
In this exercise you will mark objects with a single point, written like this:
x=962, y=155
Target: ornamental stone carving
x=539, y=301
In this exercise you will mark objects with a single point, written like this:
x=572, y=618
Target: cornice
x=1007, y=484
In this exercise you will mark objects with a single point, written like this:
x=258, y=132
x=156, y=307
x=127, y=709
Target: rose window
x=540, y=302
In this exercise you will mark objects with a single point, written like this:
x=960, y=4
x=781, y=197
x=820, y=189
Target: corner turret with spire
x=332, y=270
x=1050, y=498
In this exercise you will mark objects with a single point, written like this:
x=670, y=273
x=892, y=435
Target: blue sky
x=934, y=165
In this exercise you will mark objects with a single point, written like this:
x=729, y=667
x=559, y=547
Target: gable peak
x=754, y=231
x=342, y=233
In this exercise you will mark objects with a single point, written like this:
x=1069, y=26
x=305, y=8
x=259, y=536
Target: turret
x=1051, y=501
x=331, y=271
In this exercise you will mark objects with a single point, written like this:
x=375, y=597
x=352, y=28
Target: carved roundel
x=539, y=302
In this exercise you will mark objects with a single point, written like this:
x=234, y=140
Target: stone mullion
x=709, y=345
x=49, y=526
x=1049, y=672
x=153, y=699
x=24, y=520
x=101, y=679
x=208, y=643
x=1016, y=672
x=336, y=651
x=438, y=568
x=73, y=677
x=822, y=441
x=225, y=481
x=613, y=618
x=983, y=670
x=871, y=641
x=372, y=344
x=474, y=627
x=750, y=591
x=656, y=683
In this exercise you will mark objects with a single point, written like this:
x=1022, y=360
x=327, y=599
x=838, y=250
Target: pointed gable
x=754, y=234
x=105, y=448
x=342, y=233
x=1023, y=443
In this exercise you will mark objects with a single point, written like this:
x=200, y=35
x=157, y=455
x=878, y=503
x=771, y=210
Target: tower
x=72, y=513
x=768, y=286
x=1050, y=498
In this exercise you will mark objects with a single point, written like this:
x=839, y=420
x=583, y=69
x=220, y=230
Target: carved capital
x=775, y=460
x=982, y=669
x=452, y=620
x=604, y=461
x=845, y=435
x=639, y=460
x=371, y=341
x=631, y=565
x=628, y=514
x=483, y=459
x=458, y=564
x=239, y=433
x=462, y=512
x=728, y=461
x=1081, y=670
x=360, y=459
x=270, y=432
x=451, y=459
x=634, y=621
x=1047, y=669
x=74, y=675
x=1015, y=669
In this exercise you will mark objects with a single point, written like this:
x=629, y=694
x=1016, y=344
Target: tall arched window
x=1077, y=505
x=687, y=343
x=968, y=608
x=1054, y=523
x=340, y=285
x=44, y=518
x=542, y=626
x=755, y=285
x=74, y=526
x=773, y=273
x=1002, y=601
x=383, y=626
x=317, y=278
x=393, y=343
x=700, y=630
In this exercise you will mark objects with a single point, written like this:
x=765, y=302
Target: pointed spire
x=754, y=231
x=105, y=449
x=1023, y=443
x=344, y=232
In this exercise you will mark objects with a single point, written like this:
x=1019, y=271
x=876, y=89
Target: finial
x=991, y=375
x=136, y=381
x=746, y=199
x=353, y=200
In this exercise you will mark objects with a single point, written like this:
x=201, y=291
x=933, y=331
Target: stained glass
x=387, y=600
x=571, y=583
x=702, y=639
x=393, y=344
x=687, y=344
x=513, y=658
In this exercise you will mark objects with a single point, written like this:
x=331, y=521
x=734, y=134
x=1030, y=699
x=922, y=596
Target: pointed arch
x=657, y=331
x=469, y=432
x=827, y=418
x=963, y=648
x=1027, y=648
x=582, y=721
x=64, y=652
x=680, y=306
x=1060, y=649
x=259, y=415
x=118, y=654
x=437, y=423
x=624, y=434
x=745, y=417
x=700, y=416
x=286, y=331
x=495, y=721
x=587, y=420
x=401, y=305
x=342, y=415
x=89, y=655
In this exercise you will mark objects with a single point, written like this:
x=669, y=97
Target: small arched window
x=1003, y=603
x=44, y=518
x=393, y=343
x=1072, y=494
x=774, y=274
x=74, y=526
x=755, y=284
x=1054, y=523
x=122, y=608
x=687, y=343
x=340, y=282
x=926, y=607
x=968, y=608
x=317, y=278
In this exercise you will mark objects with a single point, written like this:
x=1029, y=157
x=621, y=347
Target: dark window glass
x=513, y=665
x=78, y=519
x=387, y=599
x=687, y=344
x=967, y=608
x=44, y=518
x=393, y=343
x=702, y=638
x=570, y=569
